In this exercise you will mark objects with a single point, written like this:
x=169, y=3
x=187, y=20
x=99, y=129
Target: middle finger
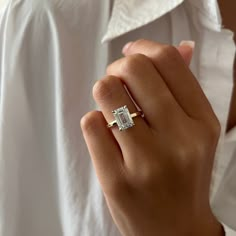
x=148, y=89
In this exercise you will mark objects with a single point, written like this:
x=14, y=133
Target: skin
x=156, y=176
x=158, y=173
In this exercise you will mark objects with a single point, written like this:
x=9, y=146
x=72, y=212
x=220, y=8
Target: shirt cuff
x=229, y=231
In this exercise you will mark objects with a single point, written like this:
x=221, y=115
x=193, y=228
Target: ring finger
x=110, y=94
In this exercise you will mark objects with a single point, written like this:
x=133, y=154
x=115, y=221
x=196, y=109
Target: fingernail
x=187, y=43
x=126, y=47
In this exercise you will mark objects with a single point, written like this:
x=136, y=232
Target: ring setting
x=123, y=118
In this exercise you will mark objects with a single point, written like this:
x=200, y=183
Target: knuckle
x=110, y=68
x=187, y=153
x=199, y=148
x=197, y=151
x=138, y=43
x=215, y=130
x=183, y=152
x=147, y=175
x=113, y=68
x=89, y=121
x=102, y=90
x=211, y=132
x=132, y=63
x=169, y=52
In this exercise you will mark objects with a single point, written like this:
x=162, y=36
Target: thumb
x=186, y=49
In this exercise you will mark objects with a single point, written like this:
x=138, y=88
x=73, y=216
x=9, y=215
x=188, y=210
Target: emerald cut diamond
x=123, y=118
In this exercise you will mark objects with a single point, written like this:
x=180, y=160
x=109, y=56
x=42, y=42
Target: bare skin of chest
x=228, y=11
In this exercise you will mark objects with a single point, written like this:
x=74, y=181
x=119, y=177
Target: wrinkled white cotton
x=50, y=56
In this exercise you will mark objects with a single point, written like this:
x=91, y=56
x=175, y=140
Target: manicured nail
x=126, y=47
x=187, y=43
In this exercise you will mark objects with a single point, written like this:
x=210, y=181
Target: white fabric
x=50, y=57
x=228, y=231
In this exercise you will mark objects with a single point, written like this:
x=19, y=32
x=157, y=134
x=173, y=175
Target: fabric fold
x=130, y=15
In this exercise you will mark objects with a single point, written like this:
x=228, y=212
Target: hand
x=156, y=175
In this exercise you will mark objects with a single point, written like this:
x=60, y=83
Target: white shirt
x=50, y=56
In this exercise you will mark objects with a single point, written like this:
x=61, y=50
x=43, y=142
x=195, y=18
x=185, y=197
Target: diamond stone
x=123, y=118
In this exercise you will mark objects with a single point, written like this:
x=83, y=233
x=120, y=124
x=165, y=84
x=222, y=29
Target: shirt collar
x=128, y=15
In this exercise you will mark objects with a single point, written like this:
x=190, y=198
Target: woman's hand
x=156, y=175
